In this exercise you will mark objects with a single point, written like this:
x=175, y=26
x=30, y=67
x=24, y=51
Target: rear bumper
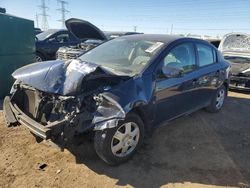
x=13, y=114
x=240, y=83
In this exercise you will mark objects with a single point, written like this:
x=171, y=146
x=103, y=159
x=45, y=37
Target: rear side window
x=206, y=55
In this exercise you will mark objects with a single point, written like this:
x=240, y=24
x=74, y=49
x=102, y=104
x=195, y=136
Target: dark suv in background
x=48, y=42
x=79, y=37
x=91, y=36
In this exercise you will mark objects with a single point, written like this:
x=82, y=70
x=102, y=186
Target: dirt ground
x=199, y=150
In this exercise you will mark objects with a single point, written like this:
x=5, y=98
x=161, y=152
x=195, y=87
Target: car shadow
x=203, y=148
x=240, y=91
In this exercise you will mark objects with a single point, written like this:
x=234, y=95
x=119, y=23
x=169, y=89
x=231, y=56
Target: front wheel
x=218, y=100
x=39, y=57
x=119, y=144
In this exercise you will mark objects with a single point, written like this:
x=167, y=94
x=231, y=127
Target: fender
x=115, y=104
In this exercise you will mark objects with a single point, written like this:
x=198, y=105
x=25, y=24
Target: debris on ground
x=42, y=166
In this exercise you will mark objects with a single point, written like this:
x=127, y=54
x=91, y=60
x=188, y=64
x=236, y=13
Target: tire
x=39, y=57
x=217, y=100
x=107, y=144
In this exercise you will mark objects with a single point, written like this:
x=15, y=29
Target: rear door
x=209, y=72
x=176, y=96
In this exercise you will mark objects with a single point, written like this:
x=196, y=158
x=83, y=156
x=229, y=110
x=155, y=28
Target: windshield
x=235, y=59
x=128, y=56
x=46, y=34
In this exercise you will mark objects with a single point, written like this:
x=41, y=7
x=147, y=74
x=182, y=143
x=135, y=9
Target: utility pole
x=135, y=28
x=63, y=11
x=171, y=29
x=44, y=8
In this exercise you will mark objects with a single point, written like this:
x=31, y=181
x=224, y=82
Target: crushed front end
x=49, y=115
x=79, y=104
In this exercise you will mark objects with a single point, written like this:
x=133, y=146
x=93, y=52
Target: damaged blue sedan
x=121, y=90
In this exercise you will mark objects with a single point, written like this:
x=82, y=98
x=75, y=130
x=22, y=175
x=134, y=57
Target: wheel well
x=41, y=54
x=138, y=111
x=226, y=85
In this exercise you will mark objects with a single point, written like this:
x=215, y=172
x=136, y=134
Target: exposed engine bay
x=74, y=52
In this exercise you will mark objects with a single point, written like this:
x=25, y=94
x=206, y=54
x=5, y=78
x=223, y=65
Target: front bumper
x=13, y=115
x=240, y=83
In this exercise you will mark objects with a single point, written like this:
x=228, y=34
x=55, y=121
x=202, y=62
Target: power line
x=44, y=8
x=63, y=11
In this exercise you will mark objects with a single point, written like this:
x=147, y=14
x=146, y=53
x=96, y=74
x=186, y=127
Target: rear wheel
x=218, y=100
x=119, y=144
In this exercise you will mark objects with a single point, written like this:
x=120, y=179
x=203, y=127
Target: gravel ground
x=201, y=150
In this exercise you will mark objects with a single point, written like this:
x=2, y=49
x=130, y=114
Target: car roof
x=166, y=39
x=56, y=30
x=154, y=37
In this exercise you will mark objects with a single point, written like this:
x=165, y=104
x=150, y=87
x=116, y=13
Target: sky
x=202, y=17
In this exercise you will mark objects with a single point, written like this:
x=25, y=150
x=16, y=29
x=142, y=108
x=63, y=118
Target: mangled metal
x=108, y=113
x=63, y=98
x=58, y=77
x=59, y=96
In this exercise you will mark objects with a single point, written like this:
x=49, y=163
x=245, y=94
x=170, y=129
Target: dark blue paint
x=158, y=100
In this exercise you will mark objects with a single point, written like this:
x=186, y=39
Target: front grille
x=240, y=82
x=240, y=74
x=65, y=56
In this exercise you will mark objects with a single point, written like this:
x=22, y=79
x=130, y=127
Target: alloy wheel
x=125, y=139
x=220, y=98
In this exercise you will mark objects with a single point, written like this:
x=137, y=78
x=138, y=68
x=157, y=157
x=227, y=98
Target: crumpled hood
x=235, y=42
x=84, y=30
x=58, y=77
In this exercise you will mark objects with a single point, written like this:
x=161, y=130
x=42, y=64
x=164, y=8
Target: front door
x=177, y=95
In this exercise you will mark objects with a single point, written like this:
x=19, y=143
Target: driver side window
x=64, y=37
x=61, y=38
x=181, y=57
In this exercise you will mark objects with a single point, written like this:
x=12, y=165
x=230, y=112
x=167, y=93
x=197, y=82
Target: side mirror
x=172, y=72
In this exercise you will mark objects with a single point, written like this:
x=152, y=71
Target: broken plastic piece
x=108, y=113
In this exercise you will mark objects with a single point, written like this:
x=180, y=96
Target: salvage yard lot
x=202, y=149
